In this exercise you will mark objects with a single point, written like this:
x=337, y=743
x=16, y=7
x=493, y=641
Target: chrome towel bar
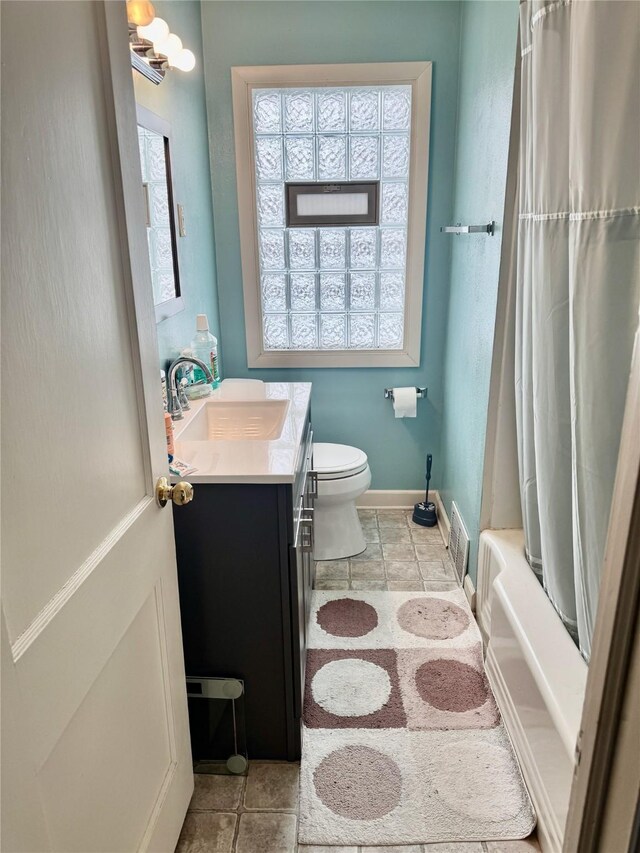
x=469, y=229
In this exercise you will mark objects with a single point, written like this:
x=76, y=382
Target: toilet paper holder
x=388, y=393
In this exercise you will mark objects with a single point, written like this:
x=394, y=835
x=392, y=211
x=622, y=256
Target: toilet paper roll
x=404, y=402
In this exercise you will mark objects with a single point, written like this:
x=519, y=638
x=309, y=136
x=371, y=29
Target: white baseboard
x=393, y=499
x=470, y=592
x=443, y=518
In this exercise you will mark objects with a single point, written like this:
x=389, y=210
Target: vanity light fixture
x=184, y=61
x=157, y=31
x=170, y=46
x=154, y=48
x=140, y=12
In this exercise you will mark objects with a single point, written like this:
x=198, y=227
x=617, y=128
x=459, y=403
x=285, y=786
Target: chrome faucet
x=173, y=394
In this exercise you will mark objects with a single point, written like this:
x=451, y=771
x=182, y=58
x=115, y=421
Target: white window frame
x=244, y=80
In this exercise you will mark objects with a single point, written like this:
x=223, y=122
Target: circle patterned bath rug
x=432, y=618
x=347, y=617
x=358, y=783
x=403, y=744
x=351, y=687
x=479, y=782
x=451, y=685
x=446, y=689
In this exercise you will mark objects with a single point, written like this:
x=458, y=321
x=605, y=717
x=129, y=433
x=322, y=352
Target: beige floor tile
x=414, y=848
x=399, y=552
x=266, y=832
x=371, y=534
x=428, y=552
x=440, y=586
x=221, y=793
x=401, y=571
x=272, y=785
x=391, y=518
x=527, y=845
x=426, y=534
x=334, y=569
x=305, y=848
x=371, y=552
x=405, y=586
x=368, y=585
x=436, y=570
x=449, y=568
x=454, y=847
x=207, y=832
x=438, y=532
x=328, y=583
x=367, y=569
x=367, y=514
x=395, y=535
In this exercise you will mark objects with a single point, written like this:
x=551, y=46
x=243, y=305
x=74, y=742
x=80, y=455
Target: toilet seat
x=338, y=461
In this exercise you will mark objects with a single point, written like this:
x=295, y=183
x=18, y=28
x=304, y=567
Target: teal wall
x=472, y=46
x=180, y=99
x=487, y=58
x=348, y=404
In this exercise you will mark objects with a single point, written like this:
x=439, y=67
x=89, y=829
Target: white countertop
x=247, y=460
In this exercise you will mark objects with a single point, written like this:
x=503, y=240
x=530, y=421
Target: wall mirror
x=154, y=140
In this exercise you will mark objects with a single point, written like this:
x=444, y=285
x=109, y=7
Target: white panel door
x=95, y=732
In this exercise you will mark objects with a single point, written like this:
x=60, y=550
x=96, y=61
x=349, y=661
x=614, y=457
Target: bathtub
x=537, y=675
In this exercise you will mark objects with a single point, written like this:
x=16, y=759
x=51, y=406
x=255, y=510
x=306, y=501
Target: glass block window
x=332, y=288
x=159, y=236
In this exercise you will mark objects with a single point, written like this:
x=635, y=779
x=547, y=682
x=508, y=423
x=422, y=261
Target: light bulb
x=156, y=31
x=185, y=60
x=169, y=46
x=140, y=12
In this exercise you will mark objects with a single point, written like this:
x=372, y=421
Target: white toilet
x=343, y=475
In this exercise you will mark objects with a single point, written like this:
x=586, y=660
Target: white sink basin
x=237, y=420
x=247, y=431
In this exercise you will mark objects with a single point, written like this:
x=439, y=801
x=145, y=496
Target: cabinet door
x=310, y=494
x=299, y=600
x=301, y=569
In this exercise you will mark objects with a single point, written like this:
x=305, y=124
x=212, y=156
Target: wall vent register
x=332, y=204
x=458, y=543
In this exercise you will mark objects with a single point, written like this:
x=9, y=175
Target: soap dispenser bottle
x=205, y=347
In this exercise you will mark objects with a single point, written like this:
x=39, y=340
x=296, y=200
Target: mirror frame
x=156, y=124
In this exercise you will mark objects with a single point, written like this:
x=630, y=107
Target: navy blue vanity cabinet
x=245, y=572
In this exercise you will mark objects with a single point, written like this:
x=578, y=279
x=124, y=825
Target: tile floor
x=258, y=813
x=400, y=555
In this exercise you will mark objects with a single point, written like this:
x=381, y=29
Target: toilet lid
x=334, y=459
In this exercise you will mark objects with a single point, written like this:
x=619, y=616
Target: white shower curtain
x=578, y=284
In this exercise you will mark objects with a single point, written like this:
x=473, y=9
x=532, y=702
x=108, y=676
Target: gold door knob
x=181, y=493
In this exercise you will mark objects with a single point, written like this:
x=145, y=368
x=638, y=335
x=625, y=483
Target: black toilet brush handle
x=429, y=461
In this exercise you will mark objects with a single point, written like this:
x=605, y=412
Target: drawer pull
x=313, y=475
x=306, y=543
